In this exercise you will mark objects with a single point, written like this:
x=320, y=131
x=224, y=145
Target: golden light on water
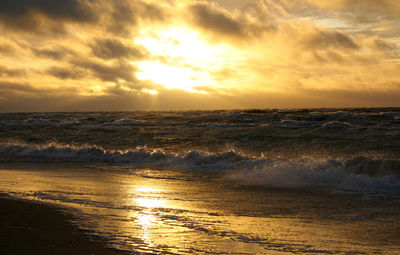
x=146, y=218
x=206, y=221
x=149, y=202
x=147, y=189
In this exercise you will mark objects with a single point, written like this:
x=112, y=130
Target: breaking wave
x=358, y=173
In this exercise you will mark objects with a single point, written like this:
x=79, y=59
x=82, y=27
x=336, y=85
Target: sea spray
x=356, y=173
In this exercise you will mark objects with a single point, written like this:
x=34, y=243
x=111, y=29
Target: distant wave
x=359, y=173
x=287, y=118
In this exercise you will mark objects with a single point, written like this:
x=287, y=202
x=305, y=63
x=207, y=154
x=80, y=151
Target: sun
x=173, y=77
x=181, y=59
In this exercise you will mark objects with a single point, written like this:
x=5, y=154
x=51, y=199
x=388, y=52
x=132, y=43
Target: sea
x=270, y=181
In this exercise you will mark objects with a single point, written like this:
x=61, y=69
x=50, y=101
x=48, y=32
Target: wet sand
x=166, y=212
x=32, y=228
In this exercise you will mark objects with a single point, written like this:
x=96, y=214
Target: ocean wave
x=126, y=122
x=191, y=160
x=298, y=124
x=337, y=124
x=360, y=173
x=292, y=119
x=349, y=115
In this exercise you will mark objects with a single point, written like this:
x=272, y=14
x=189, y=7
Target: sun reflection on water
x=148, y=200
x=147, y=190
x=145, y=220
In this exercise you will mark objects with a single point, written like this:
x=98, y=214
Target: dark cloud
x=66, y=73
x=6, y=49
x=22, y=97
x=123, y=17
x=45, y=16
x=212, y=19
x=50, y=16
x=117, y=90
x=11, y=72
x=322, y=39
x=107, y=72
x=74, y=10
x=57, y=53
x=125, y=14
x=112, y=48
x=329, y=56
x=9, y=90
x=387, y=47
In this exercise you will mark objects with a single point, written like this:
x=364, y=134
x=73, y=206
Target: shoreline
x=27, y=227
x=157, y=214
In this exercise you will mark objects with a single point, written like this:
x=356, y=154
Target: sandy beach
x=174, y=213
x=32, y=228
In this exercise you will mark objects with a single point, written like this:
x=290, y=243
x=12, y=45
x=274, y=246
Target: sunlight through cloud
x=181, y=59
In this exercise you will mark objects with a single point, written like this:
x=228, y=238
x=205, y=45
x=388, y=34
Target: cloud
x=267, y=10
x=23, y=97
x=6, y=49
x=52, y=17
x=329, y=56
x=67, y=9
x=112, y=48
x=327, y=38
x=11, y=72
x=120, y=69
x=384, y=46
x=19, y=97
x=255, y=53
x=125, y=15
x=66, y=73
x=34, y=14
x=213, y=19
x=11, y=90
x=222, y=23
x=56, y=53
x=303, y=44
x=362, y=10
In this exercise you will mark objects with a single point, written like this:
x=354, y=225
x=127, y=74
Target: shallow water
x=255, y=181
x=160, y=212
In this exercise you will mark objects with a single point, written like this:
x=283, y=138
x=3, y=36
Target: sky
x=98, y=55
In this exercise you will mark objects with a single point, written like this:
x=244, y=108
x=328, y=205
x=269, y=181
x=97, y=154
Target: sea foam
x=357, y=173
